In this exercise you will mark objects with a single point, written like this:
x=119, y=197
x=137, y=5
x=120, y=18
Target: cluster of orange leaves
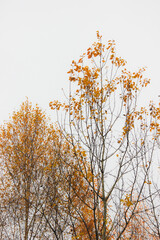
x=88, y=79
x=155, y=115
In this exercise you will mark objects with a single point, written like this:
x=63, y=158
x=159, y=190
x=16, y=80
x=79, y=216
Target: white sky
x=40, y=38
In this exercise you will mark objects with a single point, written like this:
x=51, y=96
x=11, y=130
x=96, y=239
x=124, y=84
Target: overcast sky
x=40, y=38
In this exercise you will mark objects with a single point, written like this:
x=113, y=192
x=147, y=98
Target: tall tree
x=111, y=135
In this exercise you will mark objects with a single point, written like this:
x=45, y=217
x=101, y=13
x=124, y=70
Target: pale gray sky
x=39, y=39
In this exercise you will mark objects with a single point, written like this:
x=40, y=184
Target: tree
x=112, y=136
x=31, y=192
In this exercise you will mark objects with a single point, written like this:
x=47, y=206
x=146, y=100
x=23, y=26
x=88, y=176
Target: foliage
x=30, y=190
x=89, y=177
